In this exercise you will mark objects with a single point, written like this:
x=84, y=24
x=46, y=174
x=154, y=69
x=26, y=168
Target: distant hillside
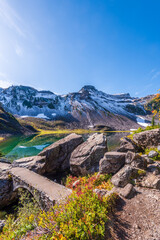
x=84, y=109
x=9, y=124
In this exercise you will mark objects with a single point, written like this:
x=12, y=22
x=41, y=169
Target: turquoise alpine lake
x=24, y=146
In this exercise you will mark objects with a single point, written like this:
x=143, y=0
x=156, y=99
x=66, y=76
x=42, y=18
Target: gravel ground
x=137, y=218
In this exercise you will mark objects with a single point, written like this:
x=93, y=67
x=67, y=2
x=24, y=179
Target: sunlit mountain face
x=87, y=107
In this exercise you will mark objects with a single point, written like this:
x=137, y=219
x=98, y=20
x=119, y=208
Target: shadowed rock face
x=7, y=195
x=111, y=162
x=52, y=159
x=85, y=158
x=136, y=160
x=128, y=144
x=58, y=154
x=148, y=139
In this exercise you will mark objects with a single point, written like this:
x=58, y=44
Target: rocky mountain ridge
x=10, y=125
x=88, y=107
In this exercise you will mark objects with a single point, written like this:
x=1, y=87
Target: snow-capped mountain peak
x=88, y=104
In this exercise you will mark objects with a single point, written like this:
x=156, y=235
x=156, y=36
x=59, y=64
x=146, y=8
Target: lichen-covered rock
x=152, y=154
x=136, y=160
x=123, y=176
x=148, y=139
x=111, y=162
x=85, y=158
x=128, y=144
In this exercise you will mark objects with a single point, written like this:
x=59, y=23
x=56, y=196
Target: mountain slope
x=8, y=123
x=85, y=108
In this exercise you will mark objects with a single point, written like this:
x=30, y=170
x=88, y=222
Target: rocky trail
x=137, y=218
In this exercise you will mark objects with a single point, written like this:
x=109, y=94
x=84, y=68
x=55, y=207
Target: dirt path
x=137, y=218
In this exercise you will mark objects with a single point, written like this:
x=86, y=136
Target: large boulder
x=148, y=139
x=128, y=144
x=136, y=160
x=123, y=176
x=52, y=159
x=58, y=154
x=111, y=162
x=85, y=158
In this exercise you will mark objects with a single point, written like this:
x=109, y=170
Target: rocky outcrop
x=123, y=176
x=111, y=162
x=152, y=154
x=54, y=158
x=128, y=144
x=136, y=160
x=148, y=139
x=58, y=154
x=85, y=158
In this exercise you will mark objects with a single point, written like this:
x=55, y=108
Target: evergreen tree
x=153, y=122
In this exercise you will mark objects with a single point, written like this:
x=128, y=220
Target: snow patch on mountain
x=88, y=104
x=143, y=122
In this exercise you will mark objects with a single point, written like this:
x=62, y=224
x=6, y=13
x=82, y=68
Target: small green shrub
x=82, y=217
x=24, y=220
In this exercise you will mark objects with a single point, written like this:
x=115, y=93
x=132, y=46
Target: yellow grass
x=68, y=131
x=1, y=139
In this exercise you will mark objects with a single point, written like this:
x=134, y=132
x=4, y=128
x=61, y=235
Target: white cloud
x=155, y=75
x=4, y=81
x=11, y=18
x=19, y=50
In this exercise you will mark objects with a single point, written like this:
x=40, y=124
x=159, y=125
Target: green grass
x=139, y=130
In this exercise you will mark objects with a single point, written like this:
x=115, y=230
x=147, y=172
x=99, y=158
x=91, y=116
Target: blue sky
x=61, y=45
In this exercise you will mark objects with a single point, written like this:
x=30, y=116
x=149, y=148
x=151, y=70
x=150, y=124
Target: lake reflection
x=24, y=146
